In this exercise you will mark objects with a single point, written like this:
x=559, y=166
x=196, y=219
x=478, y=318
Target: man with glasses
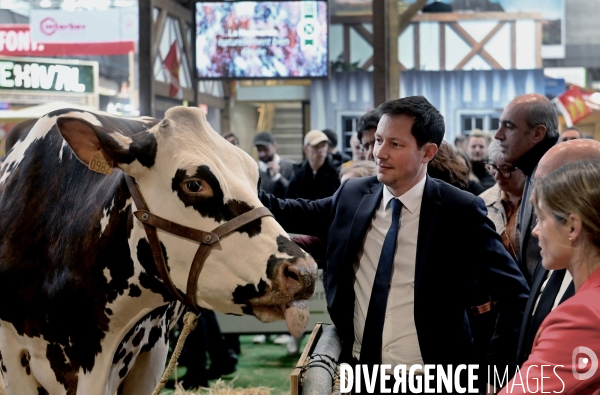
x=366, y=128
x=528, y=129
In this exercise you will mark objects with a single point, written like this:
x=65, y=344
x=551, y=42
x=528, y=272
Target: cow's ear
x=87, y=140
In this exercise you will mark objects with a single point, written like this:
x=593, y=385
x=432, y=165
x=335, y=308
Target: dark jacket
x=278, y=187
x=444, y=268
x=306, y=185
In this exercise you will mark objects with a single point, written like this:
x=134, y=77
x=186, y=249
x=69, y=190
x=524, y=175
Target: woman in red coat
x=565, y=354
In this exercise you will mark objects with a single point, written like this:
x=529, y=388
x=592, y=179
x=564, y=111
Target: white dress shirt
x=399, y=343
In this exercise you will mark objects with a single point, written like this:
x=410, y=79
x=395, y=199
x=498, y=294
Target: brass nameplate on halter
x=99, y=164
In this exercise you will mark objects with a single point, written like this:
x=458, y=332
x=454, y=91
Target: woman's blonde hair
x=573, y=188
x=362, y=168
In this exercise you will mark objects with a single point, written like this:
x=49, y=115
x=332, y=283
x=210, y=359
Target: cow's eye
x=193, y=186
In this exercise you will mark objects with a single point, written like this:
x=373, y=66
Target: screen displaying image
x=261, y=39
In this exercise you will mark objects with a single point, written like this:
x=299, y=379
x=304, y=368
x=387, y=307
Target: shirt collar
x=411, y=199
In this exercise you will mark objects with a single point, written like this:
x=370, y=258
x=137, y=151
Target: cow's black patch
x=149, y=278
x=243, y=293
x=153, y=337
x=144, y=147
x=108, y=311
x=2, y=363
x=214, y=206
x=137, y=339
x=25, y=357
x=287, y=246
x=42, y=391
x=134, y=291
x=65, y=372
x=125, y=367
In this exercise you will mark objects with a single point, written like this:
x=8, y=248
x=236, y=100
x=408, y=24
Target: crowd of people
x=419, y=270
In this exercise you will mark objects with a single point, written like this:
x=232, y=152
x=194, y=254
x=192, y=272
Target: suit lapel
x=358, y=229
x=361, y=221
x=429, y=210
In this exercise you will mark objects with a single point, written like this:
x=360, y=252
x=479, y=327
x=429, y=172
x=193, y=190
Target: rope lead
x=189, y=323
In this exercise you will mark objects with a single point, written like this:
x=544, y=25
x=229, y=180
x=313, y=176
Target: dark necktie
x=371, y=341
x=544, y=307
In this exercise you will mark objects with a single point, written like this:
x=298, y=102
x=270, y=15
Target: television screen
x=261, y=39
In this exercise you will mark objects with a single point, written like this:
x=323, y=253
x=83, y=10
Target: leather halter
x=206, y=239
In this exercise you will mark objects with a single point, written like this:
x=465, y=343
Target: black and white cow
x=83, y=310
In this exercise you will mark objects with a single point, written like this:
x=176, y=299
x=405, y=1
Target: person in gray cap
x=274, y=170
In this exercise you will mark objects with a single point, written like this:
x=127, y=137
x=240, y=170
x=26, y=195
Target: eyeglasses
x=505, y=170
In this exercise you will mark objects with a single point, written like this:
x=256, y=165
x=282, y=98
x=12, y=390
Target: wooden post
x=146, y=76
x=387, y=26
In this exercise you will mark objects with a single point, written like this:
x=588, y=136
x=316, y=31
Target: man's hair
x=331, y=136
x=459, y=139
x=575, y=128
x=479, y=133
x=428, y=125
x=544, y=113
x=368, y=121
x=494, y=151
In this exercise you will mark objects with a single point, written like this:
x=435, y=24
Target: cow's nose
x=297, y=277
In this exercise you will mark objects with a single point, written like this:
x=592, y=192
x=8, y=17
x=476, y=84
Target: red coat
x=572, y=325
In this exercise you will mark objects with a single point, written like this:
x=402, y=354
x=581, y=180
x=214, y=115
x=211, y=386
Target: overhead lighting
x=45, y=4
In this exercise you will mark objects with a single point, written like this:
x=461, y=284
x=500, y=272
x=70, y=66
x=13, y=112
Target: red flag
x=574, y=105
x=171, y=63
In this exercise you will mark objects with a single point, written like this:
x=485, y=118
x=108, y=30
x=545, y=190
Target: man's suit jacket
x=279, y=186
x=456, y=242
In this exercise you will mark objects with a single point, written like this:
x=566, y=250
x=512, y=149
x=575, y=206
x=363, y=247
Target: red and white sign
x=573, y=105
x=58, y=26
x=16, y=40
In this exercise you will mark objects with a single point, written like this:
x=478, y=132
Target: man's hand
x=273, y=168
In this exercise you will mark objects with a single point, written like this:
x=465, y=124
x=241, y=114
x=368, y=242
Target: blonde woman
x=566, y=349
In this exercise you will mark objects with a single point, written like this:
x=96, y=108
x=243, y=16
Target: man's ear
x=539, y=133
x=87, y=139
x=430, y=150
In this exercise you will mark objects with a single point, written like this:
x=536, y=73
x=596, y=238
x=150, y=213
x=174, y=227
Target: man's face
x=569, y=135
x=316, y=154
x=266, y=153
x=367, y=143
x=357, y=152
x=515, y=135
x=477, y=149
x=400, y=163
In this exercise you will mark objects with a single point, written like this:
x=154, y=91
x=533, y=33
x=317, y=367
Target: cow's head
x=190, y=175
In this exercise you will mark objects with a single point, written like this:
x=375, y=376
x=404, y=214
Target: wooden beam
x=475, y=16
x=188, y=48
x=513, y=44
x=368, y=63
x=443, y=17
x=363, y=32
x=472, y=42
x=379, y=53
x=442, y=46
x=145, y=64
x=409, y=14
x=417, y=46
x=347, y=44
x=479, y=46
x=157, y=31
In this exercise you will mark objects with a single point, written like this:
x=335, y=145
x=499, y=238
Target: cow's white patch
x=61, y=150
x=107, y=275
x=105, y=217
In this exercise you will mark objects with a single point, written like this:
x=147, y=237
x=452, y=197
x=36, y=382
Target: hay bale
x=223, y=388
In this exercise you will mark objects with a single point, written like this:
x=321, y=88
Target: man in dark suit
x=528, y=129
x=275, y=171
x=419, y=313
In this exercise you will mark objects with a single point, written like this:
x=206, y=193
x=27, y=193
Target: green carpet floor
x=260, y=365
